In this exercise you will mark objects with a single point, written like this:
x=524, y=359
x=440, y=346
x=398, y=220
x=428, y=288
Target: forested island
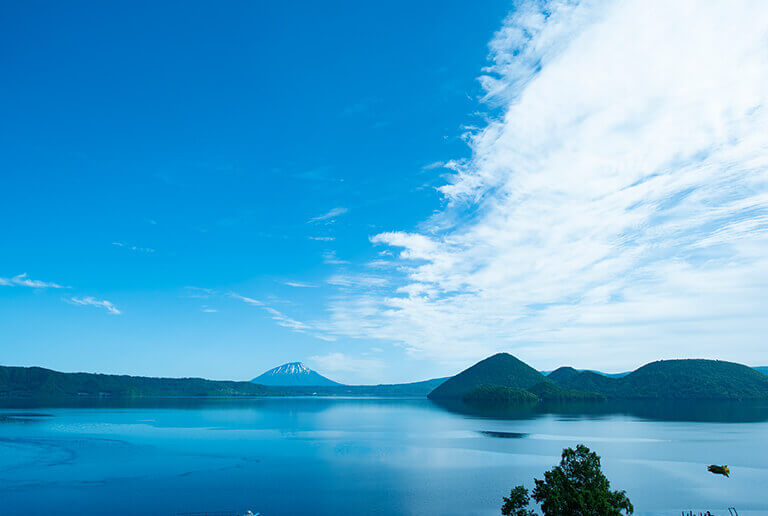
x=499, y=379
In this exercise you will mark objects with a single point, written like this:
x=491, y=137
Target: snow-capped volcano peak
x=292, y=373
x=290, y=368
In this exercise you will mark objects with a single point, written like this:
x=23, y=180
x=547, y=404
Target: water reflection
x=653, y=410
x=11, y=410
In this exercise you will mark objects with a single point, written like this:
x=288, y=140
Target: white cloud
x=299, y=284
x=330, y=258
x=245, y=299
x=22, y=280
x=92, y=301
x=616, y=212
x=285, y=321
x=208, y=310
x=282, y=319
x=147, y=250
x=356, y=280
x=434, y=165
x=341, y=363
x=323, y=239
x=330, y=215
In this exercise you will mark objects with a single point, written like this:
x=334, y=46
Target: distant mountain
x=674, y=379
x=550, y=391
x=563, y=374
x=45, y=383
x=36, y=382
x=501, y=369
x=609, y=375
x=293, y=374
x=414, y=389
x=582, y=380
x=763, y=370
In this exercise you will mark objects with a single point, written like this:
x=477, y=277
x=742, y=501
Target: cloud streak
x=615, y=212
x=147, y=250
x=342, y=363
x=299, y=284
x=92, y=301
x=329, y=215
x=280, y=318
x=22, y=280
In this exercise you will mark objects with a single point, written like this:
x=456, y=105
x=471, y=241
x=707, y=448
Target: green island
x=500, y=379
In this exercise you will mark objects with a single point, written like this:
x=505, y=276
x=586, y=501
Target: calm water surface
x=364, y=456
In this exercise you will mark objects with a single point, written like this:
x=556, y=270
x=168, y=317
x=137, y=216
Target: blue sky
x=208, y=138
x=387, y=192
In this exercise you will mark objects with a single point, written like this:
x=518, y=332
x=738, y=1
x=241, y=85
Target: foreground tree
x=577, y=487
x=517, y=502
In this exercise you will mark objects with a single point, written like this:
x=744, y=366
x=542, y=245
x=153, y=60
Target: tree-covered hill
x=39, y=382
x=562, y=374
x=501, y=369
x=497, y=394
x=676, y=379
x=550, y=391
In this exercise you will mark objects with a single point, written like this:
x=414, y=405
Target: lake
x=324, y=456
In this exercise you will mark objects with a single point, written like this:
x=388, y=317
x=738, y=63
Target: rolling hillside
x=39, y=382
x=675, y=379
x=501, y=369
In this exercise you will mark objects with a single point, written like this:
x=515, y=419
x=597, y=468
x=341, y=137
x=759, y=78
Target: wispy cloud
x=323, y=238
x=22, y=280
x=299, y=284
x=341, y=363
x=244, y=299
x=279, y=317
x=434, y=165
x=208, y=310
x=198, y=292
x=330, y=215
x=92, y=301
x=357, y=281
x=147, y=250
x=330, y=258
x=285, y=321
x=617, y=210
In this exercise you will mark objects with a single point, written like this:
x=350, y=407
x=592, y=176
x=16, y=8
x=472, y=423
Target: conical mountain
x=500, y=369
x=562, y=374
x=293, y=374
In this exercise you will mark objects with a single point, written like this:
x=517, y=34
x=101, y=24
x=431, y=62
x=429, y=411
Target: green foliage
x=501, y=369
x=562, y=374
x=550, y=391
x=45, y=383
x=577, y=487
x=517, y=503
x=496, y=394
x=676, y=379
x=39, y=382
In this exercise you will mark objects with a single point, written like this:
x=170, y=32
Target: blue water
x=363, y=456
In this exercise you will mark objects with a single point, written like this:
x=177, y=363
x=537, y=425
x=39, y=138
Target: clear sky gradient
x=386, y=191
